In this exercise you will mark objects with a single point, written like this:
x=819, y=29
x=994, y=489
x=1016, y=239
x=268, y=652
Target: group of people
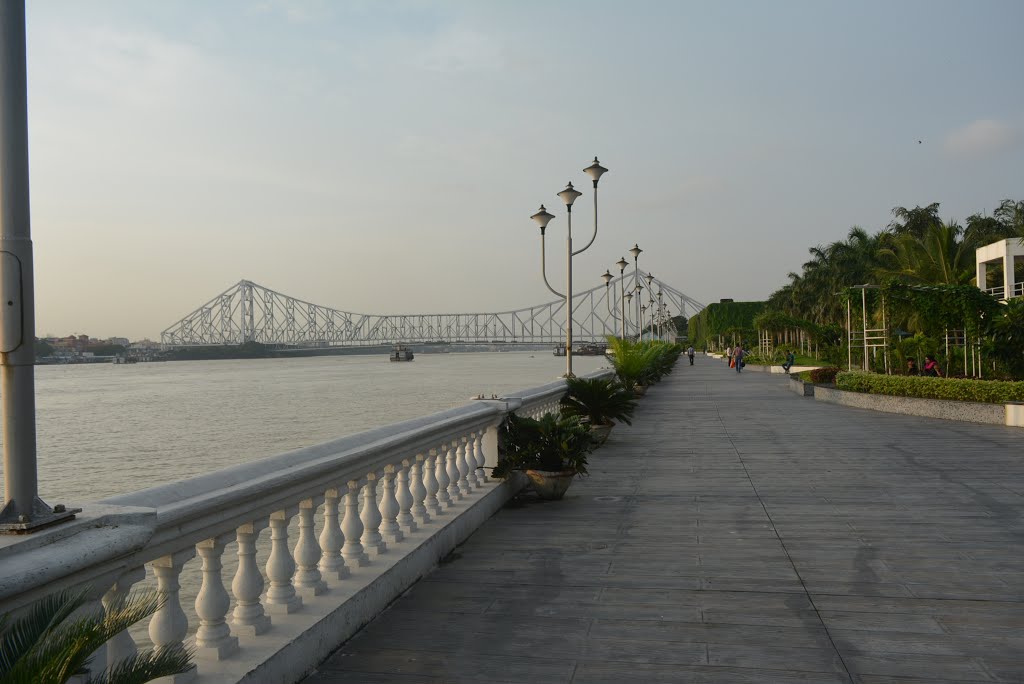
x=931, y=367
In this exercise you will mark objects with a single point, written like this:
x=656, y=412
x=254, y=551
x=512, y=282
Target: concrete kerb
x=964, y=411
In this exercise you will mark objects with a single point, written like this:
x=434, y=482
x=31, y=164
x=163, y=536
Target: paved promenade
x=736, y=533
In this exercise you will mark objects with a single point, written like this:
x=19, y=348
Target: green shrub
x=598, y=401
x=823, y=376
x=956, y=389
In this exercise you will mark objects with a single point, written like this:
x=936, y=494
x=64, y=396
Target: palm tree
x=53, y=641
x=914, y=221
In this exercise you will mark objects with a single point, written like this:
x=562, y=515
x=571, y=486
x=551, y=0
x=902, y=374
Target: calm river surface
x=105, y=429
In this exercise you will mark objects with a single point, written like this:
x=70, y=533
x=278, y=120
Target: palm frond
x=146, y=666
x=21, y=634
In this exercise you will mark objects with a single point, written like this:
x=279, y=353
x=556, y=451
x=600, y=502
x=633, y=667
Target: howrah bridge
x=248, y=312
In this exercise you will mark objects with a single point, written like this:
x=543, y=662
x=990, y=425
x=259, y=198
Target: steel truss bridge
x=247, y=312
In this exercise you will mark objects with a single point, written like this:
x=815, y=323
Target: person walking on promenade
x=737, y=356
x=690, y=352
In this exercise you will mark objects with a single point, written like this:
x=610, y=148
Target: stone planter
x=550, y=486
x=600, y=432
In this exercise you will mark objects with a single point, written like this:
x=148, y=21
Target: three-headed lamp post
x=543, y=217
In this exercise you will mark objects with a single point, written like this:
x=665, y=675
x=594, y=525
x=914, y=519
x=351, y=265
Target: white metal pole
x=568, y=298
x=622, y=300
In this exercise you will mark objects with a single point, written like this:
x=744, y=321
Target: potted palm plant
x=632, y=362
x=550, y=450
x=600, y=403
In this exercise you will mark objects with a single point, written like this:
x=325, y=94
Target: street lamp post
x=607, y=278
x=639, y=314
x=543, y=217
x=22, y=510
x=636, y=252
x=622, y=263
x=661, y=316
x=650, y=296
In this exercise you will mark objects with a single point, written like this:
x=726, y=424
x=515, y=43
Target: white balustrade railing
x=997, y=292
x=380, y=497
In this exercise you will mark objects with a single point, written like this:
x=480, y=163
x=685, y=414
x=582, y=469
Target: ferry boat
x=582, y=350
x=401, y=353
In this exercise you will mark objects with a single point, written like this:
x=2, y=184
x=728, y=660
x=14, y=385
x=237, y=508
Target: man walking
x=690, y=352
x=737, y=356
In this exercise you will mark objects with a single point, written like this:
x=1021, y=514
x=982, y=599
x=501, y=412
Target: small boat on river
x=401, y=353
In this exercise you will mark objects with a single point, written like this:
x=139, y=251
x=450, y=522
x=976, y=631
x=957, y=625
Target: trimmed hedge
x=824, y=376
x=956, y=389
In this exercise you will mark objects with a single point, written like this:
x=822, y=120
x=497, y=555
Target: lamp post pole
x=629, y=301
x=639, y=314
x=608, y=293
x=622, y=263
x=636, y=252
x=22, y=511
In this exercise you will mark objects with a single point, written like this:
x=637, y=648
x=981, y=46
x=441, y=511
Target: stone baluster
x=389, y=527
x=472, y=478
x=373, y=542
x=281, y=598
x=121, y=645
x=454, y=494
x=213, y=638
x=440, y=460
x=352, y=528
x=419, y=491
x=480, y=459
x=404, y=497
x=248, y=617
x=169, y=626
x=308, y=581
x=332, y=565
x=462, y=456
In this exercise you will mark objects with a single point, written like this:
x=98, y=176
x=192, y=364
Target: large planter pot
x=600, y=432
x=550, y=485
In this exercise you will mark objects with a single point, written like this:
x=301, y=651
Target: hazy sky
x=385, y=157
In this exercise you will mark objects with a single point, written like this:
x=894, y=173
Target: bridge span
x=248, y=312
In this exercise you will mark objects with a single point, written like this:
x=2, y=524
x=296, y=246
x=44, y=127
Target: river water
x=109, y=429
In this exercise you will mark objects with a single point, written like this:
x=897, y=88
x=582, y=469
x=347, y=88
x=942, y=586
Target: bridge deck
x=736, y=533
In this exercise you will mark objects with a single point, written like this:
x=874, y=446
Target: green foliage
x=758, y=358
x=45, y=645
x=553, y=443
x=823, y=376
x=957, y=389
x=1007, y=337
x=723, y=318
x=599, y=401
x=925, y=267
x=642, y=363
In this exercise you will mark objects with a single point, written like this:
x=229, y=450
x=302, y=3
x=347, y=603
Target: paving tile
x=756, y=536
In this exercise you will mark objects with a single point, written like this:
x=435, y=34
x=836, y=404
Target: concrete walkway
x=736, y=533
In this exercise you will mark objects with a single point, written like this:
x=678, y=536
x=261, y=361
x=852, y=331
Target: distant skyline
x=385, y=157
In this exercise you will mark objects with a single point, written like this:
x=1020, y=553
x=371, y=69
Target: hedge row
x=985, y=391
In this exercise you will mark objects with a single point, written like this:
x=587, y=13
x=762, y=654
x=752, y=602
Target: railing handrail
x=205, y=506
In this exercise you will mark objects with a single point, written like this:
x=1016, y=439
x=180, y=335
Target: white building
x=1009, y=253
